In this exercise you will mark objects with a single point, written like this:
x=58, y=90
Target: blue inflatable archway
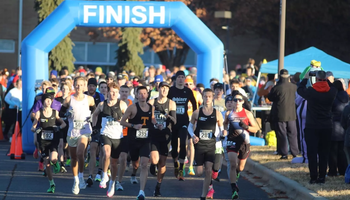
x=72, y=13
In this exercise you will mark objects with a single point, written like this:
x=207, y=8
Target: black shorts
x=242, y=149
x=204, y=153
x=95, y=137
x=160, y=145
x=125, y=144
x=47, y=146
x=180, y=132
x=139, y=148
x=115, y=145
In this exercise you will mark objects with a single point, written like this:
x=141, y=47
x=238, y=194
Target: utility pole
x=282, y=35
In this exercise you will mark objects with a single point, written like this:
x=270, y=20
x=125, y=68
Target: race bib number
x=142, y=133
x=78, y=124
x=180, y=110
x=47, y=135
x=110, y=121
x=205, y=134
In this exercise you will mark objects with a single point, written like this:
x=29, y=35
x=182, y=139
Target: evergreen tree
x=61, y=55
x=130, y=46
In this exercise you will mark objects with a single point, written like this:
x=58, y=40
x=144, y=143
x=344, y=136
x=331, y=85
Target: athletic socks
x=176, y=164
x=158, y=185
x=233, y=186
x=52, y=182
x=181, y=166
x=99, y=171
x=76, y=178
x=81, y=175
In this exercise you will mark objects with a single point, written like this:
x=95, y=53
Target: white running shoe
x=103, y=183
x=82, y=184
x=118, y=186
x=75, y=188
x=133, y=180
x=110, y=191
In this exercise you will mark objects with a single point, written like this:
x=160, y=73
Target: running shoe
x=176, y=169
x=35, y=154
x=235, y=191
x=181, y=175
x=63, y=169
x=103, y=183
x=186, y=160
x=210, y=194
x=51, y=189
x=191, y=171
x=68, y=162
x=98, y=178
x=214, y=175
x=75, y=188
x=110, y=191
x=156, y=192
x=133, y=180
x=118, y=186
x=41, y=167
x=153, y=170
x=141, y=196
x=82, y=184
x=56, y=167
x=89, y=181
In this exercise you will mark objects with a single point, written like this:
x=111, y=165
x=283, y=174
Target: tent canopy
x=298, y=61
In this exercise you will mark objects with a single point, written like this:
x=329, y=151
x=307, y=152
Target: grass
x=334, y=188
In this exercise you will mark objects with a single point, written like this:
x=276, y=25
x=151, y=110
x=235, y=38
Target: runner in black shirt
x=141, y=120
x=181, y=95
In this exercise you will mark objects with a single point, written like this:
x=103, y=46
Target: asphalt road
x=19, y=179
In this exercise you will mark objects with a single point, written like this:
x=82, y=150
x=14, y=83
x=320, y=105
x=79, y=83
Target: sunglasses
x=238, y=100
x=188, y=84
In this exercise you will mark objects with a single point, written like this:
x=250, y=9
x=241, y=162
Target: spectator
x=234, y=85
x=318, y=125
x=337, y=159
x=330, y=77
x=283, y=115
x=265, y=90
x=232, y=74
x=249, y=88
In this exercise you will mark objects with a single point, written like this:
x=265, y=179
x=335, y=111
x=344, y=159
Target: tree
x=130, y=46
x=61, y=55
x=170, y=48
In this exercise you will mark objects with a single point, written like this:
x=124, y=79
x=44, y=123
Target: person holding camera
x=318, y=125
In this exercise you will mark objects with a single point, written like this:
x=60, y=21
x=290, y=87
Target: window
x=7, y=46
x=97, y=52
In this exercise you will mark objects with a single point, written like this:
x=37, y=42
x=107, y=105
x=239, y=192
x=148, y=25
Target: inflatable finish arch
x=72, y=13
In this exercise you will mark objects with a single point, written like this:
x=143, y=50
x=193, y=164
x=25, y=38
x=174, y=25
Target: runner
x=208, y=120
x=63, y=146
x=240, y=122
x=111, y=111
x=102, y=87
x=124, y=92
x=95, y=136
x=181, y=96
x=141, y=117
x=49, y=136
x=80, y=108
x=165, y=114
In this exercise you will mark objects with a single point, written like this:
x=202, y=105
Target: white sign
x=121, y=14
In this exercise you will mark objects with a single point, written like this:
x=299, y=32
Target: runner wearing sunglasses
x=239, y=122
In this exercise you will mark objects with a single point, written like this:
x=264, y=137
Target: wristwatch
x=132, y=125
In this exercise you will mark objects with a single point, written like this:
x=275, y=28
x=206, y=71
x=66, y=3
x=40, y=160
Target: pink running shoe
x=210, y=194
x=214, y=175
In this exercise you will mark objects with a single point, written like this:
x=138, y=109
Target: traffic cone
x=18, y=148
x=1, y=133
x=13, y=142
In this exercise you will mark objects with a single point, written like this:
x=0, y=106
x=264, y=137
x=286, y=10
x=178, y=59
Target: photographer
x=318, y=126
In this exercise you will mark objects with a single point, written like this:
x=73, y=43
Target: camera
x=313, y=73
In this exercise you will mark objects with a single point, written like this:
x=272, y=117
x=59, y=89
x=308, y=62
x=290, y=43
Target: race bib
x=160, y=119
x=47, y=135
x=180, y=110
x=205, y=134
x=110, y=121
x=142, y=133
x=78, y=124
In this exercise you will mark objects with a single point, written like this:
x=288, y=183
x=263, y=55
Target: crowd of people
x=92, y=120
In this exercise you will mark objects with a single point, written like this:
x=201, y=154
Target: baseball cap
x=164, y=84
x=53, y=72
x=50, y=90
x=284, y=73
x=120, y=76
x=158, y=78
x=228, y=98
x=218, y=85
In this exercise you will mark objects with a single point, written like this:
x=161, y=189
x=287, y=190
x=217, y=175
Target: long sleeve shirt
x=14, y=98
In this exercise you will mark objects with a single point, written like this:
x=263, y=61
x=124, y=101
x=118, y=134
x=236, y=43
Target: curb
x=276, y=181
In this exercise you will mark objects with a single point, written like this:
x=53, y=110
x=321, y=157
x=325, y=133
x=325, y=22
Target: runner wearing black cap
x=181, y=95
x=95, y=136
x=165, y=114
